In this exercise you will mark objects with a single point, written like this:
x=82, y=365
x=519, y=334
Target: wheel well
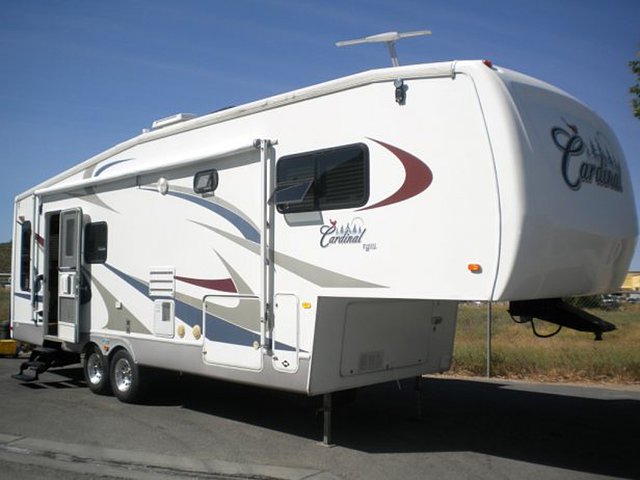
x=116, y=349
x=109, y=354
x=89, y=346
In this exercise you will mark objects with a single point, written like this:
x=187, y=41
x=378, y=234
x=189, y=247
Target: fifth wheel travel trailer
x=322, y=239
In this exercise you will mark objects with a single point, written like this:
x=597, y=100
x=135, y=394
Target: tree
x=635, y=90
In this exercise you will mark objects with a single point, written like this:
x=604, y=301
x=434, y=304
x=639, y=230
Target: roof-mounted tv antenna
x=390, y=38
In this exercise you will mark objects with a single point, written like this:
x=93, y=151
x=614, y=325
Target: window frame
x=319, y=171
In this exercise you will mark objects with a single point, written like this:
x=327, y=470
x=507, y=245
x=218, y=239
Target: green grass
x=568, y=356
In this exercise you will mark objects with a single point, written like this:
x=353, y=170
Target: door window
x=70, y=235
x=70, y=238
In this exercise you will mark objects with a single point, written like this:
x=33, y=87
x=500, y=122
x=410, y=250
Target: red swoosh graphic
x=222, y=285
x=418, y=177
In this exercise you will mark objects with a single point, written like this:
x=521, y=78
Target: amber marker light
x=197, y=333
x=475, y=268
x=306, y=305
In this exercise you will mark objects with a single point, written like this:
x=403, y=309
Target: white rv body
x=481, y=184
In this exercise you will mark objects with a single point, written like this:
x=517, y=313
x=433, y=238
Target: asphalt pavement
x=200, y=428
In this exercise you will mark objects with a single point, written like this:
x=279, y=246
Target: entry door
x=69, y=275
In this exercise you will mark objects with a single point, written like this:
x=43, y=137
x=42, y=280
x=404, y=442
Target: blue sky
x=80, y=76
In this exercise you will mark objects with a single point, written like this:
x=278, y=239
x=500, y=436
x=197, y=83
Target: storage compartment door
x=232, y=331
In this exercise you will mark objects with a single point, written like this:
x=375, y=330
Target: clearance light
x=488, y=63
x=306, y=305
x=475, y=268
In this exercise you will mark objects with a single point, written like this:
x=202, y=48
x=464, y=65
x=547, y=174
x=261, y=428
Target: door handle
x=67, y=285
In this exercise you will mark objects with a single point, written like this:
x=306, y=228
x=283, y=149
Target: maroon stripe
x=222, y=285
x=418, y=177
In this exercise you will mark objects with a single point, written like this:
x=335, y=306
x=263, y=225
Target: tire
x=125, y=377
x=96, y=372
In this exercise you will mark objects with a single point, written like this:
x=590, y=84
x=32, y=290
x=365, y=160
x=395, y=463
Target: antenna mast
x=390, y=38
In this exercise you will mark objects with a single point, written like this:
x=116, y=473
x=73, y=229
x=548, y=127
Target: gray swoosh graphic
x=118, y=318
x=314, y=274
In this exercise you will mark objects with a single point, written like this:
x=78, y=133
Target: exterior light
x=163, y=186
x=475, y=268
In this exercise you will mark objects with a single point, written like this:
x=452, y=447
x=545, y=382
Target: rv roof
x=444, y=69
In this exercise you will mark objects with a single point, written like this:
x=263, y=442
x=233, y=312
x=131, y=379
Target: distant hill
x=5, y=257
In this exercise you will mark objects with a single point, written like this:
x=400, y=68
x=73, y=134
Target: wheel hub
x=95, y=368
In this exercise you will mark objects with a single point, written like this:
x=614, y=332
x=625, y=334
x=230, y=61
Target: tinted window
x=70, y=236
x=95, y=243
x=324, y=180
x=25, y=256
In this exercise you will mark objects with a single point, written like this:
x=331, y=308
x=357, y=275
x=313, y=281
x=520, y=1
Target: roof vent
x=171, y=120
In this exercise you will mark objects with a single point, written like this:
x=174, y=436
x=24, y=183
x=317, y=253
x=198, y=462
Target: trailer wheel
x=96, y=372
x=125, y=377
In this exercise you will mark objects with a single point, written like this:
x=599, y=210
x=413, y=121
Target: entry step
x=43, y=358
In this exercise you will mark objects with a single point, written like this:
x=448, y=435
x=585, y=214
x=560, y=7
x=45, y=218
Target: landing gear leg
x=419, y=397
x=327, y=410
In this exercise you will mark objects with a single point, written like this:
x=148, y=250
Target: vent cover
x=172, y=120
x=370, y=361
x=162, y=282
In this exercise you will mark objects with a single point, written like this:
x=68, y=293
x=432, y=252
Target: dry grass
x=569, y=356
